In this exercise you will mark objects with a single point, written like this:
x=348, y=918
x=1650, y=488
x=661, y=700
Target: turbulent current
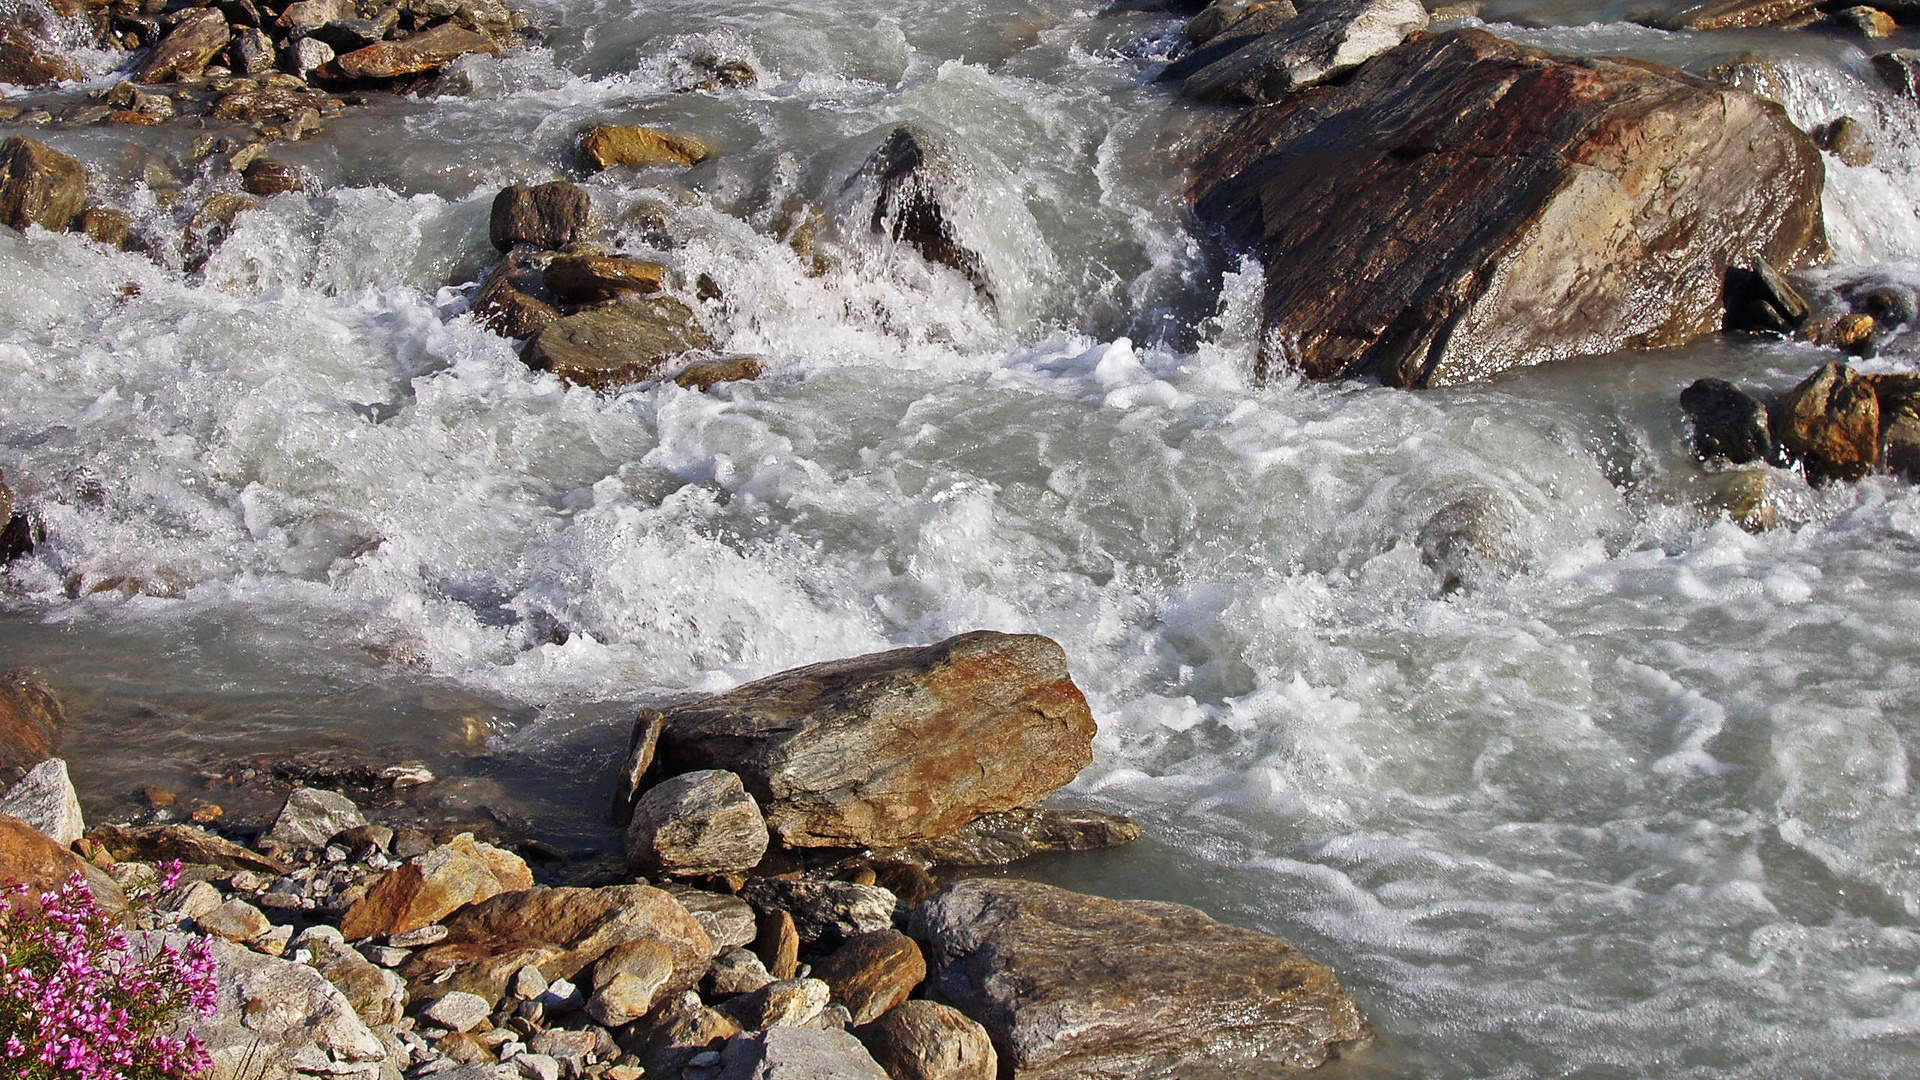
x=1479, y=695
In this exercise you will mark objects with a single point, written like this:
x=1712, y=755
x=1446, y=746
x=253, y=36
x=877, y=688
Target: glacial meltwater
x=1480, y=695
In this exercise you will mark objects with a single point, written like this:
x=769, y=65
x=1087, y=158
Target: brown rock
x=589, y=279
x=311, y=14
x=1463, y=205
x=1735, y=14
x=1832, y=422
x=616, y=344
x=427, y=50
x=267, y=176
x=550, y=215
x=1867, y=21
x=608, y=145
x=628, y=981
x=707, y=374
x=667, y=1039
x=32, y=857
x=514, y=301
x=640, y=746
x=27, y=61
x=187, y=49
x=786, y=1003
x=872, y=973
x=273, y=104
x=778, y=944
x=105, y=226
x=38, y=185
x=432, y=886
x=1073, y=986
x=474, y=968
x=164, y=843
x=30, y=715
x=998, y=839
x=897, y=746
x=1327, y=38
x=925, y=1040
x=235, y=920
x=702, y=822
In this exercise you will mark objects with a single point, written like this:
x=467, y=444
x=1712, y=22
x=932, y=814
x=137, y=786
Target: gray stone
x=788, y=1053
x=45, y=799
x=825, y=913
x=252, y=51
x=537, y=1066
x=783, y=1003
x=306, y=55
x=728, y=920
x=1072, y=986
x=1328, y=38
x=677, y=1030
x=458, y=1011
x=701, y=822
x=737, y=971
x=925, y=1040
x=310, y=817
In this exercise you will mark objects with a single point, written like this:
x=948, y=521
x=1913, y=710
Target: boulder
x=706, y=374
x=1463, y=205
x=824, y=912
x=1900, y=432
x=789, y=1053
x=915, y=182
x=378, y=996
x=273, y=104
x=235, y=920
x=550, y=215
x=783, y=1003
x=38, y=185
x=736, y=971
x=590, y=279
x=32, y=857
x=872, y=973
x=1729, y=424
x=431, y=886
x=27, y=61
x=1848, y=140
x=164, y=843
x=513, y=301
x=1252, y=23
x=894, y=747
x=1900, y=70
x=1074, y=986
x=1328, y=38
x=428, y=50
x=1831, y=421
x=305, y=15
x=186, y=49
x=925, y=1040
x=312, y=816
x=457, y=1010
x=30, y=722
x=1229, y=16
x=702, y=822
x=607, y=145
x=1735, y=14
x=251, y=52
x=616, y=344
x=308, y=58
x=998, y=839
x=45, y=799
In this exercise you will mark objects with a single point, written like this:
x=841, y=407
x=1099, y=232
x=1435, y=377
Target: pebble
x=386, y=955
x=414, y=939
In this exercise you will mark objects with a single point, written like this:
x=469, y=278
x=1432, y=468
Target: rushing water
x=1609, y=788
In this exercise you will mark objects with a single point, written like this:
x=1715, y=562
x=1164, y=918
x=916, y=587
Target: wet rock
x=165, y=843
x=311, y=816
x=706, y=374
x=701, y=822
x=235, y=920
x=266, y=176
x=32, y=857
x=1847, y=139
x=669, y=1038
x=788, y=1053
x=824, y=912
x=1752, y=73
x=925, y=1040
x=1900, y=70
x=590, y=279
x=872, y=973
x=631, y=145
x=1729, y=424
x=737, y=971
x=428, y=888
x=894, y=747
x=915, y=181
x=38, y=185
x=211, y=225
x=1463, y=205
x=641, y=744
x=1735, y=14
x=44, y=798
x=273, y=104
x=513, y=301
x=31, y=718
x=616, y=344
x=998, y=839
x=1229, y=16
x=717, y=73
x=1831, y=421
x=547, y=216
x=1760, y=299
x=27, y=61
x=1900, y=427
x=251, y=52
x=628, y=981
x=1328, y=38
x=1868, y=22
x=783, y=1003
x=1253, y=23
x=1071, y=985
x=186, y=49
x=105, y=226
x=428, y=50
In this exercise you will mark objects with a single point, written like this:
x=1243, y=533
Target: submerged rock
x=608, y=145
x=1463, y=205
x=707, y=374
x=894, y=747
x=38, y=185
x=1076, y=986
x=1831, y=421
x=428, y=50
x=616, y=344
x=550, y=215
x=911, y=206
x=1729, y=424
x=1329, y=37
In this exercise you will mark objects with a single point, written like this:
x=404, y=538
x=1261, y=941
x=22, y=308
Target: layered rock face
x=1463, y=205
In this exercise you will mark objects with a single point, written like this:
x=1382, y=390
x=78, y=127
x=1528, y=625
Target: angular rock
x=894, y=747
x=1224, y=16
x=1847, y=139
x=312, y=816
x=1734, y=14
x=304, y=15
x=680, y=1028
x=251, y=52
x=640, y=748
x=616, y=344
x=347, y=35
x=785, y=1003
x=30, y=720
x=308, y=57
x=701, y=822
x=1071, y=985
x=590, y=279
x=547, y=216
x=778, y=944
x=1253, y=23
x=513, y=301
x=998, y=839
x=187, y=49
x=823, y=912
x=925, y=1040
x=378, y=996
x=164, y=843
x=737, y=971
x=428, y=50
x=706, y=374
x=915, y=182
x=278, y=104
x=27, y=61
x=789, y=1053
x=728, y=920
x=872, y=973
x=38, y=185
x=105, y=226
x=235, y=920
x=428, y=888
x=1761, y=299
x=32, y=857
x=1328, y=38
x=1831, y=421
x=1463, y=205
x=628, y=981
x=607, y=145
x=45, y=799
x=1867, y=21
x=458, y=1010
x=1729, y=424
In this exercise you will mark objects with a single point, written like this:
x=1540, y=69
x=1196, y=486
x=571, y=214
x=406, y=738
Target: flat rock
x=925, y=1040
x=872, y=973
x=1831, y=421
x=458, y=1010
x=30, y=856
x=186, y=49
x=1735, y=14
x=27, y=61
x=702, y=822
x=312, y=816
x=616, y=344
x=998, y=839
x=607, y=145
x=1079, y=986
x=788, y=1053
x=590, y=279
x=428, y=50
x=1463, y=205
x=550, y=215
x=894, y=747
x=164, y=843
x=235, y=920
x=706, y=374
x=38, y=185
x=628, y=981
x=431, y=886
x=1326, y=39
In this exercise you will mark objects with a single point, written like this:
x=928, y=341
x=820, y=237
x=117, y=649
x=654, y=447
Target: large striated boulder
x=1328, y=38
x=187, y=49
x=38, y=185
x=428, y=50
x=1463, y=205
x=897, y=746
x=1078, y=986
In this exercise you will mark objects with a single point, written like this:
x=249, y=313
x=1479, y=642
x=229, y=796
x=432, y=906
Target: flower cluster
x=76, y=1004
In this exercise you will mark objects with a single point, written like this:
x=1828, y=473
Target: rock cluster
x=1837, y=424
